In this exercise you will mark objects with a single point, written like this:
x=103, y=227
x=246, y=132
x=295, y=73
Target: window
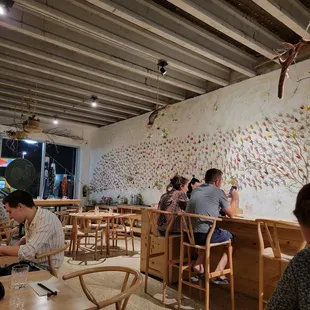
x=55, y=167
x=30, y=150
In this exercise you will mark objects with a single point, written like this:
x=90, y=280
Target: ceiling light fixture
x=94, y=101
x=161, y=66
x=5, y=6
x=30, y=141
x=55, y=121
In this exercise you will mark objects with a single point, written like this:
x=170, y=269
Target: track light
x=161, y=66
x=55, y=121
x=94, y=101
x=5, y=6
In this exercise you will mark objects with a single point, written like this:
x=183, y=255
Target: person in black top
x=194, y=183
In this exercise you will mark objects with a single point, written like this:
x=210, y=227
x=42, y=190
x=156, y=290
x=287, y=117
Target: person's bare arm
x=10, y=250
x=233, y=204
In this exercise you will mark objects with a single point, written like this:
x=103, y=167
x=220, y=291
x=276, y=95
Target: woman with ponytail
x=174, y=200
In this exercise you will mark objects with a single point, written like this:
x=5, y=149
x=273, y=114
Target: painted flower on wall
x=273, y=152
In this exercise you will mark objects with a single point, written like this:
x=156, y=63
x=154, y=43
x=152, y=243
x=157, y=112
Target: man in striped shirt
x=43, y=230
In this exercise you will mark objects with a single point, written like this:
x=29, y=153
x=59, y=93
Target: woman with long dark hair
x=194, y=183
x=174, y=200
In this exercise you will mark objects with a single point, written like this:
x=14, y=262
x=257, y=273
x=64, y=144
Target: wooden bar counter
x=245, y=256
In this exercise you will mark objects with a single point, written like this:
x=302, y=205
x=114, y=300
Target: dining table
x=57, y=203
x=103, y=216
x=8, y=260
x=28, y=299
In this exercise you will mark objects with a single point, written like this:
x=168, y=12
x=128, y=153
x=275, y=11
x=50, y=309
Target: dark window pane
x=12, y=149
x=64, y=158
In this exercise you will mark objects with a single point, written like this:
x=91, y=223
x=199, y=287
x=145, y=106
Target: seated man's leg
x=221, y=235
x=200, y=239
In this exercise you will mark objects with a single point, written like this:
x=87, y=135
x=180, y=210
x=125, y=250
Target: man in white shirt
x=43, y=230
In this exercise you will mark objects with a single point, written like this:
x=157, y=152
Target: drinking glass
x=96, y=210
x=80, y=210
x=110, y=210
x=19, y=276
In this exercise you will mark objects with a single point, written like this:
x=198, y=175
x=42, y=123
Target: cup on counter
x=80, y=210
x=110, y=209
x=19, y=276
x=96, y=209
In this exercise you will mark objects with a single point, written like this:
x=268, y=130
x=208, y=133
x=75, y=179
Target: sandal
x=221, y=281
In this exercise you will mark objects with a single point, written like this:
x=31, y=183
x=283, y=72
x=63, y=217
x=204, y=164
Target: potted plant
x=33, y=121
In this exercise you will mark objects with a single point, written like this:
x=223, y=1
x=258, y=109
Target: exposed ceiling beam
x=47, y=113
x=70, y=77
x=104, y=15
x=10, y=112
x=85, y=69
x=94, y=113
x=184, y=23
x=58, y=114
x=288, y=12
x=26, y=91
x=172, y=36
x=40, y=81
x=45, y=36
x=102, y=35
x=35, y=90
x=225, y=18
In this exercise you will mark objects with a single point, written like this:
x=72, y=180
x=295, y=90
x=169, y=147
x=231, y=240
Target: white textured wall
x=225, y=110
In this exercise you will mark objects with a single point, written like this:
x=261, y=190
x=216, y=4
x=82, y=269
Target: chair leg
x=180, y=275
x=232, y=284
x=126, y=243
x=96, y=244
x=101, y=242
x=147, y=261
x=261, y=284
x=165, y=271
x=133, y=242
x=207, y=279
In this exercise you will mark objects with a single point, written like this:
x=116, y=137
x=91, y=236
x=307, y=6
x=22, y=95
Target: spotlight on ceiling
x=5, y=6
x=55, y=121
x=94, y=101
x=161, y=66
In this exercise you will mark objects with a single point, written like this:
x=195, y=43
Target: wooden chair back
x=7, y=231
x=63, y=217
x=88, y=225
x=120, y=299
x=49, y=255
x=187, y=231
x=154, y=215
x=271, y=229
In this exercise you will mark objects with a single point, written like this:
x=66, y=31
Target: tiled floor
x=107, y=285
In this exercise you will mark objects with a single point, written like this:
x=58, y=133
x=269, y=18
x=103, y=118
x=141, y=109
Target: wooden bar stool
x=167, y=241
x=273, y=252
x=188, y=241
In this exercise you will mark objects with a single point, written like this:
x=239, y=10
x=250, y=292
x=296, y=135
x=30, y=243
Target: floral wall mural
x=259, y=141
x=268, y=153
